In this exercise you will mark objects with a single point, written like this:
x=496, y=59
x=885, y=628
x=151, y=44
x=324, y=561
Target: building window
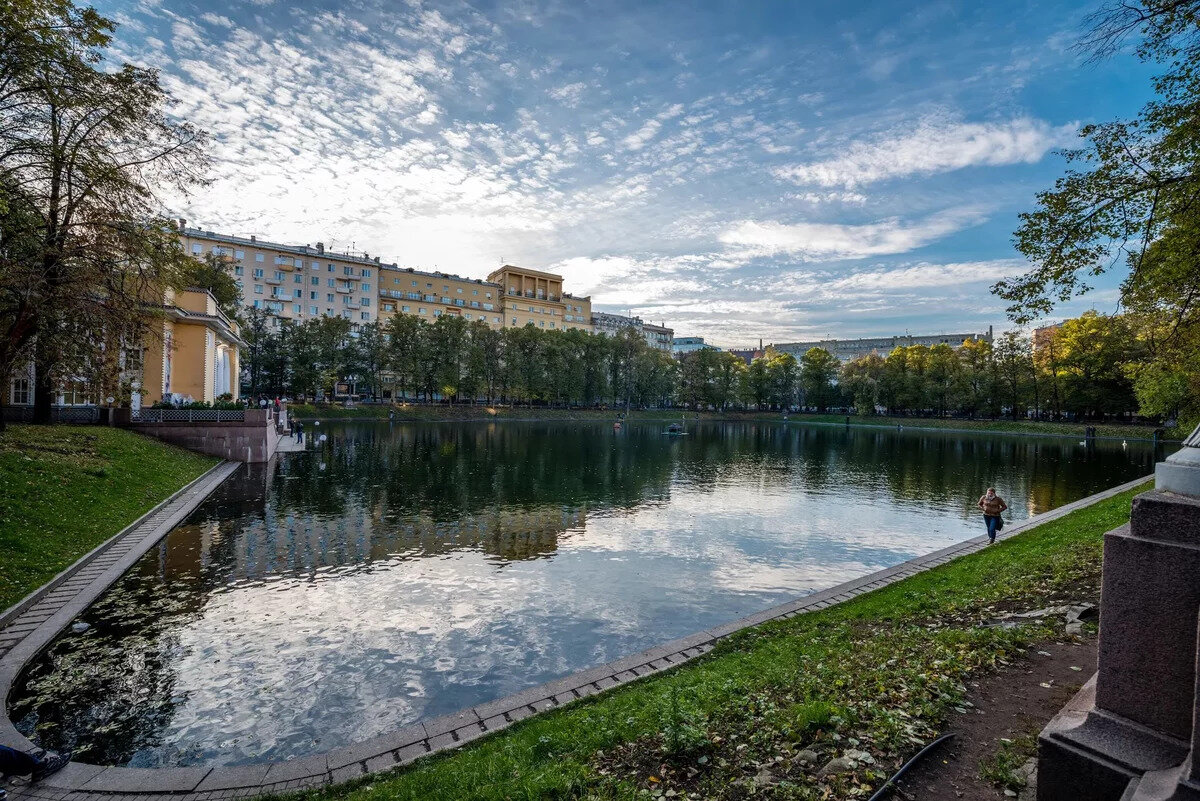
x=299, y=294
x=196, y=250
x=329, y=298
x=331, y=268
x=237, y=270
x=366, y=273
x=421, y=310
x=347, y=270
x=487, y=294
x=239, y=254
x=315, y=281
x=514, y=321
x=21, y=393
x=329, y=282
x=278, y=275
x=364, y=301
x=297, y=308
x=258, y=273
x=258, y=257
x=258, y=304
x=366, y=287
x=297, y=279
x=437, y=312
x=312, y=309
x=258, y=289
x=405, y=308
x=551, y=323
x=429, y=286
x=366, y=315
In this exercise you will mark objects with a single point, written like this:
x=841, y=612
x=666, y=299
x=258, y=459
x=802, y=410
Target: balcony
x=345, y=289
x=270, y=279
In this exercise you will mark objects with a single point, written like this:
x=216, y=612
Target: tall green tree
x=85, y=150
x=818, y=377
x=1129, y=200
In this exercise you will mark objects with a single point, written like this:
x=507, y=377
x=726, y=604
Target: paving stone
x=73, y=776
x=565, y=698
x=441, y=742
x=495, y=722
x=544, y=705
x=408, y=753
x=520, y=713
x=448, y=723
x=358, y=752
x=228, y=778
x=382, y=762
x=301, y=768
x=146, y=780
x=347, y=773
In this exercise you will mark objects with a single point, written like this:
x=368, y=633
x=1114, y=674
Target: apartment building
x=294, y=282
x=681, y=345
x=429, y=295
x=536, y=297
x=657, y=336
x=847, y=349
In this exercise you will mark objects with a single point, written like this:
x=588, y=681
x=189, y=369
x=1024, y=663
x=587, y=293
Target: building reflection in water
x=404, y=571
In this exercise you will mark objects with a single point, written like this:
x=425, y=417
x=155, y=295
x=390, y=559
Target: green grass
x=465, y=412
x=66, y=489
x=879, y=675
x=1001, y=768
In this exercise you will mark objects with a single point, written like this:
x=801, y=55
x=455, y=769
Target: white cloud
x=935, y=144
x=569, y=95
x=832, y=241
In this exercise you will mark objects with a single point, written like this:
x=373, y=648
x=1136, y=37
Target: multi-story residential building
x=533, y=296
x=683, y=345
x=847, y=349
x=429, y=295
x=293, y=282
x=657, y=336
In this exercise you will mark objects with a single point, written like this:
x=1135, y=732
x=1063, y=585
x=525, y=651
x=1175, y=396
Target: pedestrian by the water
x=299, y=432
x=992, y=505
x=37, y=766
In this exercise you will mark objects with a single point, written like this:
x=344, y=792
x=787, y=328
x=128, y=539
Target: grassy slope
x=882, y=673
x=430, y=413
x=66, y=489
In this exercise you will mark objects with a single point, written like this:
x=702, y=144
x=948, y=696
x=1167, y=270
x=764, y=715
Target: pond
x=405, y=571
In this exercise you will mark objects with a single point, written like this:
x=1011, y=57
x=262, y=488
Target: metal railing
x=188, y=415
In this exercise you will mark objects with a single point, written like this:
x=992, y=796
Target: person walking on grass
x=992, y=505
x=37, y=767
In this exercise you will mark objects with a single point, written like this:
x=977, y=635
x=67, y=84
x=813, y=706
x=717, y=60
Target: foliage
x=1129, y=200
x=69, y=488
x=84, y=147
x=818, y=372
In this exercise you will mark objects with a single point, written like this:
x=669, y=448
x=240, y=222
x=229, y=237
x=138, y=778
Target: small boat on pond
x=675, y=429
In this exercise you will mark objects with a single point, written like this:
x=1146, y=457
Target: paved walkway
x=29, y=631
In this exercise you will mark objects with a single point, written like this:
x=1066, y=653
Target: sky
x=782, y=171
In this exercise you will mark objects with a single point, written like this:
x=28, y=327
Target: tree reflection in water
x=305, y=604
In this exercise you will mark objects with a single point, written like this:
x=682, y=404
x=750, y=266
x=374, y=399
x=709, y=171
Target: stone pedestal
x=1131, y=733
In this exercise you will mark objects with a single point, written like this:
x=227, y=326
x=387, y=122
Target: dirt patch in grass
x=998, y=735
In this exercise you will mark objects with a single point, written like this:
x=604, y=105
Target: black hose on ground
x=890, y=783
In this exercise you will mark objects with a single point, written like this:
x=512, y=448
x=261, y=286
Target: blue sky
x=779, y=170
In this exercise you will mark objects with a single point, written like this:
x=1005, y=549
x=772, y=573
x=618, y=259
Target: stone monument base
x=1087, y=754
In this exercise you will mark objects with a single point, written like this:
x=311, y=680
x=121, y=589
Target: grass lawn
x=66, y=489
x=463, y=412
x=867, y=682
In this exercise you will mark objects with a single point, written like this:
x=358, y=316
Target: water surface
x=406, y=571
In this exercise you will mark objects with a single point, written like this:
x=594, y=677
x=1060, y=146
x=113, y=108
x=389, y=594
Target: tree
x=1014, y=366
x=406, y=337
x=1095, y=352
x=978, y=376
x=818, y=375
x=944, y=377
x=83, y=151
x=1129, y=199
x=860, y=379
x=369, y=356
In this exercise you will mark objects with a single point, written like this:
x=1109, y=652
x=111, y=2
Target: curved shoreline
x=33, y=623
